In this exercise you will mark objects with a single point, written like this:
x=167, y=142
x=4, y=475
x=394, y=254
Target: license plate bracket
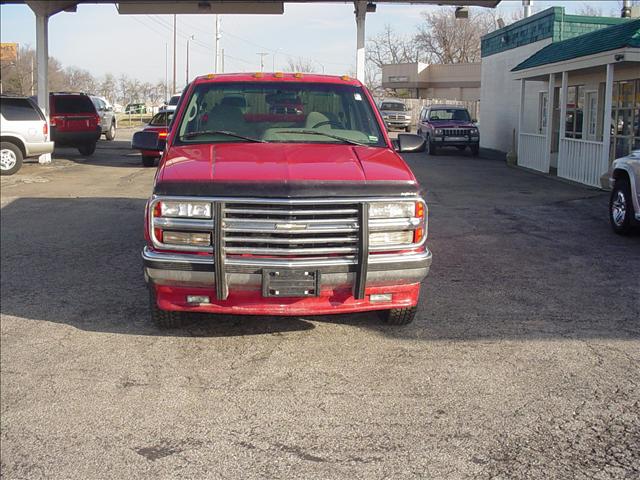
x=284, y=282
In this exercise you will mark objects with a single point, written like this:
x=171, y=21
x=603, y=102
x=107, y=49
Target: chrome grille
x=456, y=132
x=274, y=229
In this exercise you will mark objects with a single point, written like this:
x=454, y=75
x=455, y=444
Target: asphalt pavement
x=522, y=363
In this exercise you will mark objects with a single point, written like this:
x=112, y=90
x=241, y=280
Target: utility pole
x=166, y=71
x=174, y=55
x=191, y=37
x=217, y=44
x=222, y=61
x=262, y=55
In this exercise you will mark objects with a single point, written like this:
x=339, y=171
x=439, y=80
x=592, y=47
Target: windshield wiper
x=316, y=132
x=222, y=132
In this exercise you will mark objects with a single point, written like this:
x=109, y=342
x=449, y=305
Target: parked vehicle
x=24, y=132
x=170, y=106
x=108, y=121
x=74, y=121
x=448, y=126
x=395, y=114
x=159, y=124
x=135, y=108
x=624, y=203
x=311, y=211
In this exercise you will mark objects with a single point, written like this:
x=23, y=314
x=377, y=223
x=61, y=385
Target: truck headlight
x=184, y=209
x=438, y=131
x=196, y=239
x=474, y=131
x=391, y=210
x=390, y=238
x=396, y=224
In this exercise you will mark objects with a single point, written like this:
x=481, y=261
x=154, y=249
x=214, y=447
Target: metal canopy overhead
x=256, y=7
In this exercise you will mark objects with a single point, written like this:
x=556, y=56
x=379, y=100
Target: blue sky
x=98, y=39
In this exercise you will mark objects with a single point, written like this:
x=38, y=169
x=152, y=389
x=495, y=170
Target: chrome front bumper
x=199, y=270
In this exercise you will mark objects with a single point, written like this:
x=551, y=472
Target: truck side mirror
x=410, y=142
x=147, y=141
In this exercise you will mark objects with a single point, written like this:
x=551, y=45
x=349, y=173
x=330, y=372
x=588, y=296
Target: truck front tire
x=400, y=316
x=11, y=158
x=164, y=319
x=621, y=207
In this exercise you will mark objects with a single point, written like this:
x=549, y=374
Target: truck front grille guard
x=238, y=221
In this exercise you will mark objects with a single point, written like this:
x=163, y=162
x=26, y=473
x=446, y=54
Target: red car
x=74, y=121
x=269, y=209
x=160, y=124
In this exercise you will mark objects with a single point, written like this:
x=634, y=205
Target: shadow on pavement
x=77, y=262
x=116, y=153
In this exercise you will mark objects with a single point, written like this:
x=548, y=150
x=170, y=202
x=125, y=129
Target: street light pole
x=174, y=55
x=262, y=55
x=218, y=36
x=191, y=37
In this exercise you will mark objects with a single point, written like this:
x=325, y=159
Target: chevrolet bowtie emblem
x=291, y=226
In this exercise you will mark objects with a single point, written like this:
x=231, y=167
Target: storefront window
x=625, y=117
x=575, y=105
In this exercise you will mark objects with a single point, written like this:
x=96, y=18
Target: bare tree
x=589, y=10
x=300, y=64
x=445, y=39
x=391, y=47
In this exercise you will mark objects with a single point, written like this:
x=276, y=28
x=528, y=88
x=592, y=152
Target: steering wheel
x=328, y=122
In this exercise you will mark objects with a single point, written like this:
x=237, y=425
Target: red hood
x=278, y=162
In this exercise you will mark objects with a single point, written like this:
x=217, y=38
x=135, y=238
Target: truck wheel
x=400, y=316
x=475, y=150
x=148, y=161
x=111, y=133
x=10, y=158
x=164, y=319
x=407, y=129
x=620, y=207
x=87, y=149
x=431, y=148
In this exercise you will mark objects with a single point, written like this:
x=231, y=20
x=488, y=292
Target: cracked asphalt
x=522, y=363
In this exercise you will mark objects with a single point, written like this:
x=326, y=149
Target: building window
x=625, y=117
x=575, y=115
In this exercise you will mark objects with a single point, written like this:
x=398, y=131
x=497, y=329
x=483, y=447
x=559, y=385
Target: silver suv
x=24, y=133
x=624, y=204
x=108, y=121
x=395, y=114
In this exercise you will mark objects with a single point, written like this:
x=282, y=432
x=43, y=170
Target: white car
x=24, y=132
x=624, y=204
x=171, y=105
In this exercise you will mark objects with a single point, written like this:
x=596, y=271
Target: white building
x=504, y=49
x=579, y=105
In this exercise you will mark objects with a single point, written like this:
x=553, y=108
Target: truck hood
x=280, y=162
x=451, y=123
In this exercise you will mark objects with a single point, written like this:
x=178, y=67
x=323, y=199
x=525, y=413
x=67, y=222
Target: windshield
x=161, y=119
x=279, y=112
x=394, y=107
x=458, y=114
x=73, y=104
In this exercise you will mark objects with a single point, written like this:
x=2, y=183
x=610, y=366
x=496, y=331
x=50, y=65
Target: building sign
x=398, y=79
x=8, y=52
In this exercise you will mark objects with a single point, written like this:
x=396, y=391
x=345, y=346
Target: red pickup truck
x=282, y=194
